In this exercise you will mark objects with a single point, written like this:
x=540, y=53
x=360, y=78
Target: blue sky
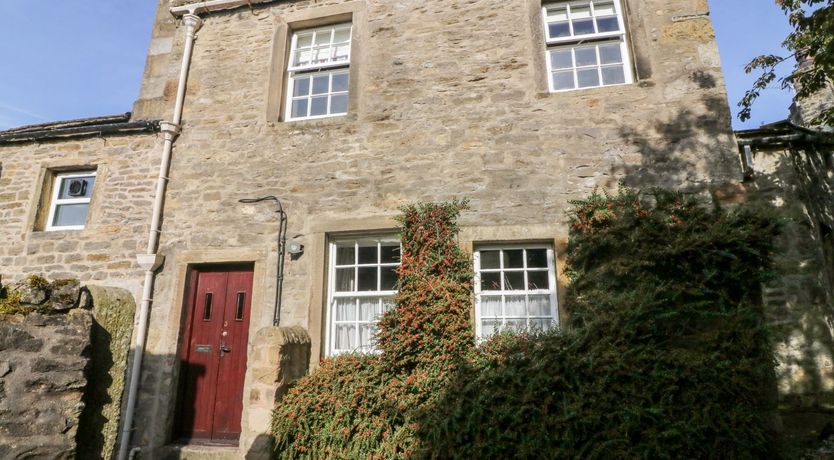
x=64, y=59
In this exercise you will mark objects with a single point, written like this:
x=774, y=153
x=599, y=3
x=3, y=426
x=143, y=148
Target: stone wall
x=63, y=356
x=42, y=381
x=800, y=301
x=104, y=252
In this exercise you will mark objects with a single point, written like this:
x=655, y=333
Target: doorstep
x=198, y=452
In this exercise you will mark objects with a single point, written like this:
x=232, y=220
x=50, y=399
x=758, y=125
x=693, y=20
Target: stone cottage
x=338, y=112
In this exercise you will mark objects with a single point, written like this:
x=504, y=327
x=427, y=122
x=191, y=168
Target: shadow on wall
x=691, y=149
x=800, y=302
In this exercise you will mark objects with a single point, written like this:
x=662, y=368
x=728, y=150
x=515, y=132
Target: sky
x=66, y=59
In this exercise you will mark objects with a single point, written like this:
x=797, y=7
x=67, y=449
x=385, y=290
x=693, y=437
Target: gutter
x=213, y=5
x=80, y=131
x=152, y=260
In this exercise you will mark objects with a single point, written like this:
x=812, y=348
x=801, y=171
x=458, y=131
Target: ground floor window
x=515, y=288
x=362, y=284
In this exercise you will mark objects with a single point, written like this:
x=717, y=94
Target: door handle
x=225, y=349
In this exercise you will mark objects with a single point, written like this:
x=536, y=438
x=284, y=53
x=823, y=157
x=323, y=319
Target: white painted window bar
x=70, y=202
x=319, y=73
x=515, y=288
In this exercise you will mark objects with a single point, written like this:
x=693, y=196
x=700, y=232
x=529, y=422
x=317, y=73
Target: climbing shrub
x=364, y=406
x=665, y=355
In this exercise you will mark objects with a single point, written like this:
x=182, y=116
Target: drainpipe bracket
x=150, y=262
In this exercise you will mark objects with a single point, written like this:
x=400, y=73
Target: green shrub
x=665, y=355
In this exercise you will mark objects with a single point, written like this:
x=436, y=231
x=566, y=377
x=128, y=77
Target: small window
x=70, y=203
x=586, y=45
x=319, y=72
x=515, y=289
x=363, y=282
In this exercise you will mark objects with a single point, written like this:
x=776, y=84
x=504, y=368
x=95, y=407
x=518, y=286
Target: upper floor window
x=319, y=72
x=70, y=203
x=586, y=45
x=363, y=282
x=515, y=288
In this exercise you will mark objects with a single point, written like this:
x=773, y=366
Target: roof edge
x=84, y=127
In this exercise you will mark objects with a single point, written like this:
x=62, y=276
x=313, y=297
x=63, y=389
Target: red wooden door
x=214, y=354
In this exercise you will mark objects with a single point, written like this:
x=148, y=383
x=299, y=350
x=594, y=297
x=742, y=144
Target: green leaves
x=812, y=43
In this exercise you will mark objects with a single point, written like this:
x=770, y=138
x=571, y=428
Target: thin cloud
x=10, y=117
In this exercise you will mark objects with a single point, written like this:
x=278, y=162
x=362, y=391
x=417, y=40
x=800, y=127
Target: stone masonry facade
x=448, y=99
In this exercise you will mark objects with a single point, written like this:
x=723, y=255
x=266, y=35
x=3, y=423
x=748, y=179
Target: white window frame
x=296, y=71
x=596, y=38
x=54, y=202
x=552, y=291
x=332, y=295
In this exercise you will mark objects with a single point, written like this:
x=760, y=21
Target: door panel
x=214, y=355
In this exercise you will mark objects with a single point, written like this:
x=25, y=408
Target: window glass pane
x=299, y=108
x=557, y=13
x=318, y=106
x=388, y=303
x=586, y=56
x=304, y=40
x=537, y=280
x=604, y=9
x=537, y=258
x=367, y=336
x=340, y=53
x=490, y=259
x=302, y=57
x=491, y=281
x=514, y=258
x=240, y=305
x=610, y=54
x=77, y=187
x=540, y=325
x=388, y=278
x=583, y=27
x=369, y=309
x=323, y=36
x=515, y=305
x=490, y=306
x=345, y=279
x=207, y=306
x=321, y=84
x=342, y=35
x=301, y=86
x=70, y=214
x=489, y=327
x=559, y=29
x=345, y=309
x=389, y=254
x=539, y=305
x=588, y=78
x=613, y=75
x=609, y=24
x=345, y=255
x=563, y=80
x=513, y=281
x=367, y=254
x=340, y=82
x=345, y=337
x=367, y=279
x=338, y=104
x=561, y=59
x=580, y=11
x=515, y=325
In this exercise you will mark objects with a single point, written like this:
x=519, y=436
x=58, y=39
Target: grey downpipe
x=282, y=246
x=150, y=261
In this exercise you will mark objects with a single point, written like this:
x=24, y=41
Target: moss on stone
x=10, y=304
x=113, y=311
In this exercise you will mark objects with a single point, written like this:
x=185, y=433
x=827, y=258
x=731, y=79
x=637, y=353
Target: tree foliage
x=812, y=36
